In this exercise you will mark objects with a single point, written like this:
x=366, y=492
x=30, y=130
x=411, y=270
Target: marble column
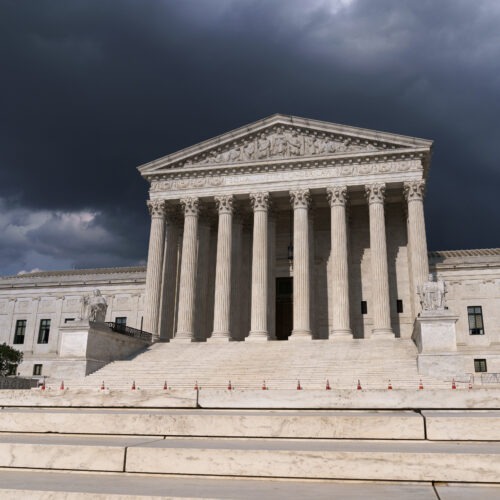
x=169, y=281
x=154, y=270
x=301, y=200
x=222, y=305
x=337, y=197
x=414, y=194
x=378, y=255
x=187, y=288
x=258, y=315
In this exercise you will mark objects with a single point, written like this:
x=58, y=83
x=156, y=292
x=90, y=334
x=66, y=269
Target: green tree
x=9, y=359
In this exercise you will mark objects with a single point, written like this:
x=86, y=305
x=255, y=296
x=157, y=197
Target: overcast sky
x=91, y=89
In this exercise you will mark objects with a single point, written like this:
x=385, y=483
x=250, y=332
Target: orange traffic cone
x=102, y=386
x=420, y=385
x=453, y=384
x=62, y=385
x=299, y=387
x=165, y=386
x=389, y=386
x=229, y=386
x=359, y=385
x=328, y=388
x=196, y=386
x=133, y=386
x=264, y=386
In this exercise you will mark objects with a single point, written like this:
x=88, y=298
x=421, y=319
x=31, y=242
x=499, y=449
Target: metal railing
x=130, y=332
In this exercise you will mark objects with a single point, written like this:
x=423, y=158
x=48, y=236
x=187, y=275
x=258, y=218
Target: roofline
x=289, y=120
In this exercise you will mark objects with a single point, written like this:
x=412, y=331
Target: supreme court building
x=287, y=228
x=284, y=229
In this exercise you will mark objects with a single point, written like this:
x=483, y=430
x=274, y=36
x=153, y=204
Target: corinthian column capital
x=157, y=208
x=260, y=201
x=225, y=204
x=375, y=193
x=337, y=195
x=190, y=205
x=300, y=198
x=414, y=190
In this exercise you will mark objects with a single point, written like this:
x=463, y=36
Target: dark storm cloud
x=91, y=89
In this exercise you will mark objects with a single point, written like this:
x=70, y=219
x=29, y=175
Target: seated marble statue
x=432, y=295
x=94, y=307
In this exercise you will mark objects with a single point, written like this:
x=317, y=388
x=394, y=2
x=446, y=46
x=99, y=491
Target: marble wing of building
x=286, y=229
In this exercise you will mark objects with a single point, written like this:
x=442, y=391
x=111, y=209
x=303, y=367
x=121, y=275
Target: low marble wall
x=399, y=399
x=90, y=346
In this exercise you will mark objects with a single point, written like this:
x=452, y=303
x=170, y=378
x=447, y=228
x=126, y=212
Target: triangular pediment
x=281, y=137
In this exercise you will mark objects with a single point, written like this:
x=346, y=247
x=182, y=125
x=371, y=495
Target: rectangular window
x=475, y=314
x=480, y=365
x=121, y=323
x=43, y=332
x=121, y=320
x=399, y=306
x=364, y=307
x=37, y=369
x=68, y=320
x=20, y=331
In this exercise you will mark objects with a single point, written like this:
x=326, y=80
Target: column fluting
x=414, y=193
x=154, y=268
x=378, y=255
x=222, y=303
x=337, y=197
x=169, y=280
x=301, y=200
x=187, y=286
x=258, y=316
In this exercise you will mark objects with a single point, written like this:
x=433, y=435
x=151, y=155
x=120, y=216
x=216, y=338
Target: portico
x=337, y=209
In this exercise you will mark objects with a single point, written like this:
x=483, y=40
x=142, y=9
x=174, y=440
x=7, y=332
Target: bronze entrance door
x=284, y=308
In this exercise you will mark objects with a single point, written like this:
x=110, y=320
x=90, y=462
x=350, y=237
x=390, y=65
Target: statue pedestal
x=436, y=339
x=434, y=331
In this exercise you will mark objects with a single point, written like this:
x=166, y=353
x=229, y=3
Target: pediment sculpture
x=280, y=142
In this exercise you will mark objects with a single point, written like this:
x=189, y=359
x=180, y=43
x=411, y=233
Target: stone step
x=219, y=423
x=38, y=485
x=42, y=485
x=271, y=458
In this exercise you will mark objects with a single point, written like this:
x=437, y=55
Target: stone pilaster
x=187, y=288
x=378, y=254
x=301, y=200
x=222, y=306
x=337, y=197
x=414, y=194
x=155, y=267
x=169, y=282
x=258, y=316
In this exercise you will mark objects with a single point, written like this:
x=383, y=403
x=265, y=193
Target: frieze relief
x=280, y=142
x=275, y=174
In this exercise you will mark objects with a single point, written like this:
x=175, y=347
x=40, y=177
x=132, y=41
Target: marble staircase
x=280, y=364
x=194, y=453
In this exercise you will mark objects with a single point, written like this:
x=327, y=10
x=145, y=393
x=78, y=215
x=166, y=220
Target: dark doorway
x=284, y=308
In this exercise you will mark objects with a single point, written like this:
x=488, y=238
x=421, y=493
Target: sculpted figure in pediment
x=235, y=154
x=248, y=152
x=263, y=147
x=309, y=145
x=319, y=146
x=279, y=144
x=294, y=143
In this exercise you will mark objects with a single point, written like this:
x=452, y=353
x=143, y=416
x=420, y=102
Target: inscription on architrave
x=274, y=175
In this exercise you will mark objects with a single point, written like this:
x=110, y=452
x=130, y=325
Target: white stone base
x=434, y=332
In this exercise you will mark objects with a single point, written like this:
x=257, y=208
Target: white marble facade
x=281, y=228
